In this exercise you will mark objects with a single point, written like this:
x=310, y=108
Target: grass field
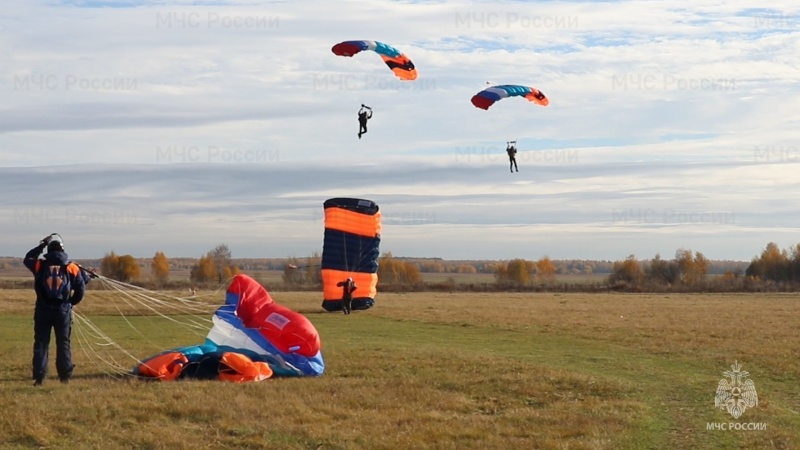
x=434, y=371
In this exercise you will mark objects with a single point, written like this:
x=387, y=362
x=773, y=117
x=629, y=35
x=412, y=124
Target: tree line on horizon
x=773, y=268
x=215, y=266
x=687, y=269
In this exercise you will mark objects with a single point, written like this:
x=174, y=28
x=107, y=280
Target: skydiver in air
x=364, y=114
x=511, y=149
x=348, y=287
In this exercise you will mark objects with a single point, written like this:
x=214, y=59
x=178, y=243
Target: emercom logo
x=735, y=394
x=738, y=394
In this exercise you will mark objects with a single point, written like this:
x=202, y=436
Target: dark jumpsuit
x=53, y=313
x=348, y=287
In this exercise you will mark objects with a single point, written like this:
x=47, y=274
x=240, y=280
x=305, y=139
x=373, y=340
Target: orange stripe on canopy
x=353, y=222
x=406, y=71
x=366, y=283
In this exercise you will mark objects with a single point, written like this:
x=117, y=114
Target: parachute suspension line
x=143, y=299
x=180, y=304
x=102, y=349
x=345, y=254
x=94, y=333
x=179, y=299
x=149, y=302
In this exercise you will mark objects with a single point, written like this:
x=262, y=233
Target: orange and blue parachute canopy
x=398, y=62
x=487, y=97
x=350, y=249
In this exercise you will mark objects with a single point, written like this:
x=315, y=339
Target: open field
x=435, y=371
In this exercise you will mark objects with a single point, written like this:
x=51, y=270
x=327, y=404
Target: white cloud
x=683, y=113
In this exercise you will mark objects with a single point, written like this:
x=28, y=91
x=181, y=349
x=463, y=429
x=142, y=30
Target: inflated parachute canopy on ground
x=351, y=248
x=398, y=62
x=252, y=338
x=487, y=97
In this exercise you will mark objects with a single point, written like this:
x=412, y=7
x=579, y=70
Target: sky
x=174, y=126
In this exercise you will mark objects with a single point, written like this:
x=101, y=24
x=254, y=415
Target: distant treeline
x=773, y=269
x=425, y=265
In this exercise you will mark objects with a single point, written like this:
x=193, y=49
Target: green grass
x=434, y=371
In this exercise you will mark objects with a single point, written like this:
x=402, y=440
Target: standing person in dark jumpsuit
x=59, y=285
x=348, y=287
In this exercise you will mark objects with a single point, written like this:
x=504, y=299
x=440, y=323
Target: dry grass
x=436, y=371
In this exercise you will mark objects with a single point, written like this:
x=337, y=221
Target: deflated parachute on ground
x=204, y=362
x=399, y=63
x=252, y=323
x=487, y=97
x=351, y=248
x=253, y=338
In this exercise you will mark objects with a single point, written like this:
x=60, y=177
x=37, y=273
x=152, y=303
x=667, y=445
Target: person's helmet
x=56, y=244
x=349, y=279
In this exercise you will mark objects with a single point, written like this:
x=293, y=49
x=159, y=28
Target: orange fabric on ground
x=242, y=368
x=165, y=367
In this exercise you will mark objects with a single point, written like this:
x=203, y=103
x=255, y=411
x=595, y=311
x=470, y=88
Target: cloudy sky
x=167, y=125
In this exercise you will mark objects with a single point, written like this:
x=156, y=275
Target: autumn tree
x=465, y=268
x=411, y=274
x=121, y=268
x=435, y=266
x=516, y=272
x=686, y=265
x=221, y=255
x=545, y=269
x=773, y=264
x=699, y=270
x=661, y=271
x=693, y=269
x=109, y=265
x=395, y=271
x=628, y=271
x=204, y=270
x=159, y=268
x=388, y=269
x=216, y=265
x=128, y=268
x=230, y=272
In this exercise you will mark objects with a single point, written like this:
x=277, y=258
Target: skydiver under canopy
x=364, y=114
x=511, y=149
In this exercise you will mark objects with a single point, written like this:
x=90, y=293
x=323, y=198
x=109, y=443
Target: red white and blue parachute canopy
x=250, y=322
x=252, y=339
x=487, y=97
x=398, y=62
